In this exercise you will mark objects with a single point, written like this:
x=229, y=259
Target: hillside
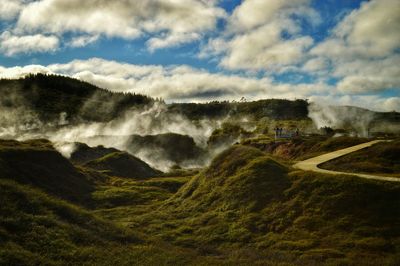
x=82, y=153
x=36, y=229
x=122, y=164
x=302, y=148
x=245, y=208
x=51, y=95
x=383, y=158
x=272, y=108
x=37, y=163
x=246, y=200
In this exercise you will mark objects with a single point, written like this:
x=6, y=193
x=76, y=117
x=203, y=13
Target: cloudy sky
x=343, y=52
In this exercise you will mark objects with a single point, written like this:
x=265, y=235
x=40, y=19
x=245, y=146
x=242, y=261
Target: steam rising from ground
x=344, y=117
x=152, y=120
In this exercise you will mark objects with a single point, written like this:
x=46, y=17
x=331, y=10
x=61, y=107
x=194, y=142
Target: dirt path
x=312, y=163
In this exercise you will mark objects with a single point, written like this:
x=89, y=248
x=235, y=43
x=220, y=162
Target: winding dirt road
x=312, y=163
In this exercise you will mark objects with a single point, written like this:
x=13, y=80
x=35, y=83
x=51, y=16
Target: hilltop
x=122, y=164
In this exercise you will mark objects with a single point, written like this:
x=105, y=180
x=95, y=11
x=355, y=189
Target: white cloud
x=371, y=102
x=254, y=36
x=254, y=13
x=13, y=44
x=362, y=84
x=171, y=40
x=180, y=83
x=316, y=65
x=81, y=41
x=369, y=75
x=372, y=31
x=169, y=23
x=184, y=83
x=363, y=49
x=9, y=9
x=263, y=48
x=18, y=72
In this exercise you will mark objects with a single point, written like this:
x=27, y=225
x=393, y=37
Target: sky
x=336, y=52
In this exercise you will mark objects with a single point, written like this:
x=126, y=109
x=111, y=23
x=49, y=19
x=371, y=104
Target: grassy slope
x=246, y=202
x=83, y=153
x=37, y=163
x=50, y=95
x=122, y=164
x=302, y=148
x=245, y=209
x=39, y=229
x=36, y=229
x=382, y=158
x=120, y=199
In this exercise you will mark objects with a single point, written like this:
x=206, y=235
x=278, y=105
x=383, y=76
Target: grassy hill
x=122, y=164
x=247, y=203
x=37, y=163
x=382, y=158
x=82, y=153
x=246, y=208
x=37, y=229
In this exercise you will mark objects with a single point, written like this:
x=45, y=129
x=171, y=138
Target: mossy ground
x=381, y=159
x=246, y=208
x=298, y=217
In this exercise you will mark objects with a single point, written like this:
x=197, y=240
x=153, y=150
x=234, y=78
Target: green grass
x=37, y=229
x=37, y=163
x=246, y=208
x=382, y=159
x=303, y=147
x=120, y=200
x=122, y=164
x=246, y=200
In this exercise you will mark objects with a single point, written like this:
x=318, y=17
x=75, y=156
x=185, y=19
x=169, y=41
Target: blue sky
x=335, y=51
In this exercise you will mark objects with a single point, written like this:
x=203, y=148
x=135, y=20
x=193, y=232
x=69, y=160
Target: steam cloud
x=344, y=117
x=21, y=123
